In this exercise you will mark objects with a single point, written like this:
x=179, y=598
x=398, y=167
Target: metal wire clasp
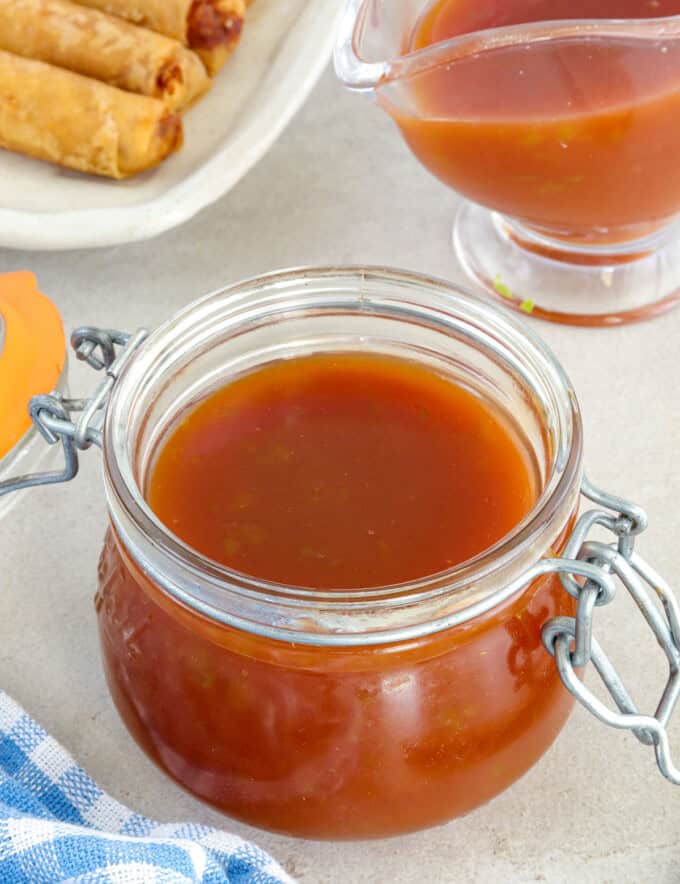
x=571, y=641
x=102, y=349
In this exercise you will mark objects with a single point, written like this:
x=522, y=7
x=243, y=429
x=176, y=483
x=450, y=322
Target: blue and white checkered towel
x=57, y=825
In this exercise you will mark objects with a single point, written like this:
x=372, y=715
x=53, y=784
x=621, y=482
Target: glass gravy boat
x=567, y=131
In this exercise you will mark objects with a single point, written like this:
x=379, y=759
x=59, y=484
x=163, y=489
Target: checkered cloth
x=57, y=825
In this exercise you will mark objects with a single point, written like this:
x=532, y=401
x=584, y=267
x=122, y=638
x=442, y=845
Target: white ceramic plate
x=285, y=47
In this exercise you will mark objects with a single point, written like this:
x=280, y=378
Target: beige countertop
x=340, y=187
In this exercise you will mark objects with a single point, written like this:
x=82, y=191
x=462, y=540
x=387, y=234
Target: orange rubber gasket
x=32, y=356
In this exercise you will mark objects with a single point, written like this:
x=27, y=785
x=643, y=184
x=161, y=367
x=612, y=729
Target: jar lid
x=32, y=353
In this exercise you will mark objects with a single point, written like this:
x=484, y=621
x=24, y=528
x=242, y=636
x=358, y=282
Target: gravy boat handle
x=351, y=70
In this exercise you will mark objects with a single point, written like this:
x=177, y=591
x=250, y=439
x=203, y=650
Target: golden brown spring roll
x=215, y=29
x=56, y=115
x=211, y=28
x=102, y=46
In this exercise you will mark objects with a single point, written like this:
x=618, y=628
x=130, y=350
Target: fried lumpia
x=102, y=46
x=211, y=28
x=53, y=114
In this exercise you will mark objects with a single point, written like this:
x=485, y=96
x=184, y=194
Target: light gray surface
x=340, y=187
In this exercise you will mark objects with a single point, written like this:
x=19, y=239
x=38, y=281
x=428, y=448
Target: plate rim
x=62, y=230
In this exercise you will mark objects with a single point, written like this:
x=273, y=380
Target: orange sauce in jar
x=342, y=472
x=337, y=471
x=568, y=134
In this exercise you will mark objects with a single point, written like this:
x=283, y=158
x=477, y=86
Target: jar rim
x=159, y=551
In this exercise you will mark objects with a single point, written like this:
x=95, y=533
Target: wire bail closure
x=571, y=641
x=598, y=566
x=104, y=350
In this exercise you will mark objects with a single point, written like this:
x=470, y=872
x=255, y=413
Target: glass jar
x=351, y=714
x=336, y=714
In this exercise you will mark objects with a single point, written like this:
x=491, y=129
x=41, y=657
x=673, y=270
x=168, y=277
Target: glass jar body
x=331, y=713
x=332, y=742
